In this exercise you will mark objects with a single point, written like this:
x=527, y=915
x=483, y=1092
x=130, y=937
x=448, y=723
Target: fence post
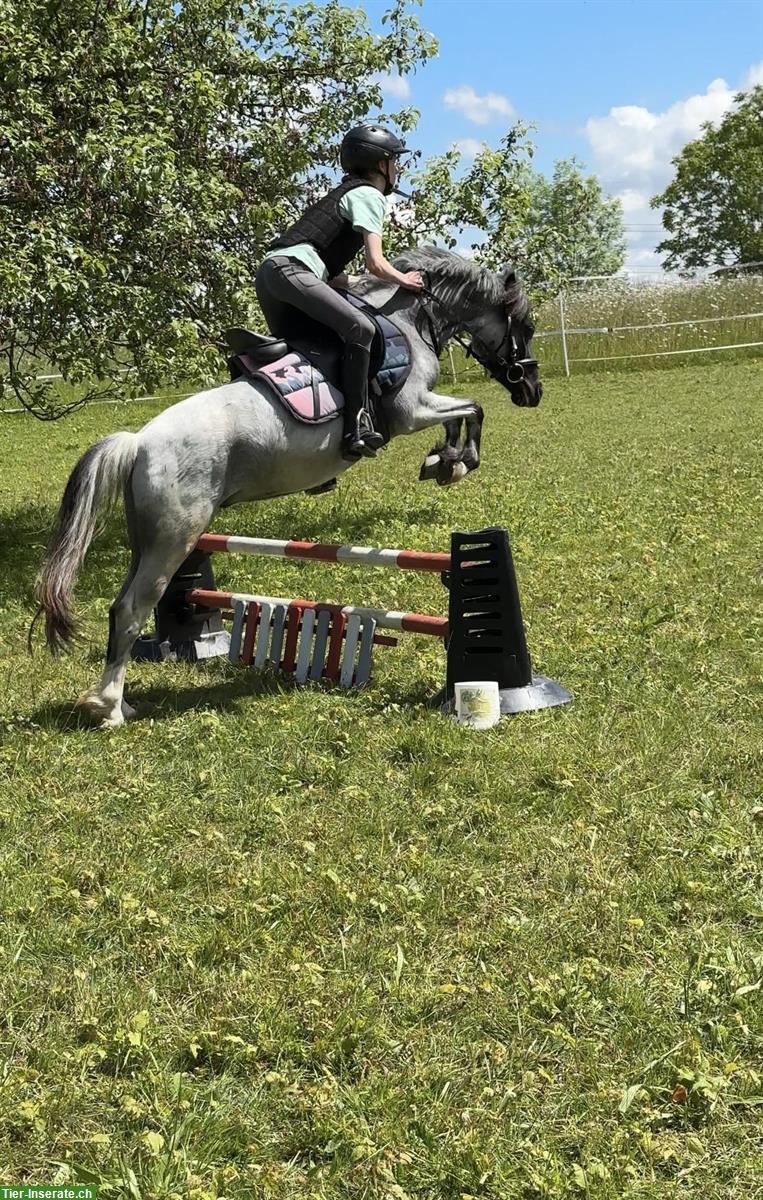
x=564, y=333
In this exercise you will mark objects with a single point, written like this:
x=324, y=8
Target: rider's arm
x=377, y=264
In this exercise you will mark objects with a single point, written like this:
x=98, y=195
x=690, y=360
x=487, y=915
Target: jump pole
x=484, y=631
x=385, y=618
x=327, y=552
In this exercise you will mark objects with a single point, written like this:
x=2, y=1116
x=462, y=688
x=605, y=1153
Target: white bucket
x=478, y=703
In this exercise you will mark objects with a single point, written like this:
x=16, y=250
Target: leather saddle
x=260, y=349
x=305, y=373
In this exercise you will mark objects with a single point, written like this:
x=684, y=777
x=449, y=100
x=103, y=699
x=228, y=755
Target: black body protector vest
x=324, y=227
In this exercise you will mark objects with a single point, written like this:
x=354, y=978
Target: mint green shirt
x=364, y=207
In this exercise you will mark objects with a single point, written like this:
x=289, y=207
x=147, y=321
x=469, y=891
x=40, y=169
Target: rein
x=437, y=345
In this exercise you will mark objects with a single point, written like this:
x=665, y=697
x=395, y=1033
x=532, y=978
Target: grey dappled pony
x=236, y=443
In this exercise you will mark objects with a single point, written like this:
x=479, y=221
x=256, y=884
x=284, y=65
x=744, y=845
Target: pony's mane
x=464, y=281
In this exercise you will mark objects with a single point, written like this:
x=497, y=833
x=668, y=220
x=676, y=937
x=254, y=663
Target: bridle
x=510, y=364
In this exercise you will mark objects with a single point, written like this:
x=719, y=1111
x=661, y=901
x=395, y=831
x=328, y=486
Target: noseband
x=514, y=367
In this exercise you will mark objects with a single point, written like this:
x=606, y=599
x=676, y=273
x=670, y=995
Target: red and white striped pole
x=385, y=618
x=362, y=556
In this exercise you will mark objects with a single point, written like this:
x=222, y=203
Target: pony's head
x=502, y=341
x=492, y=306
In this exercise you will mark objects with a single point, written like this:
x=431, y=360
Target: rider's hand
x=413, y=280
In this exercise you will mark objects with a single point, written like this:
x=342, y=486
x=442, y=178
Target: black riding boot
x=359, y=439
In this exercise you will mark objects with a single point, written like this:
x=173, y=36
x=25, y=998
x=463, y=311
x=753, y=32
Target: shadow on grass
x=335, y=525
x=162, y=702
x=24, y=535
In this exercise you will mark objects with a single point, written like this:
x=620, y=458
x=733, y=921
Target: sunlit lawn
x=273, y=943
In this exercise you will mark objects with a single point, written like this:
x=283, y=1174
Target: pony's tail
x=94, y=483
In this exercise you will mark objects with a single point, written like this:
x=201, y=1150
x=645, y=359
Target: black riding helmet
x=365, y=145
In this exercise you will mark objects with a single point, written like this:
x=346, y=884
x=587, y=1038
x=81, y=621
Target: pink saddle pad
x=299, y=386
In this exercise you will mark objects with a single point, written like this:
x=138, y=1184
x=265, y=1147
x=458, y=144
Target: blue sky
x=622, y=84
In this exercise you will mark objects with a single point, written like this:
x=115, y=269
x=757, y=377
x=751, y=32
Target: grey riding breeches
x=285, y=284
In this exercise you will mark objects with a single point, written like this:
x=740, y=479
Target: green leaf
x=399, y=963
x=579, y=1177
x=154, y=1142
x=629, y=1095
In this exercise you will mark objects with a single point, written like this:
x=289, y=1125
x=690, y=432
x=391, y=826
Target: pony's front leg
x=442, y=458
x=470, y=454
x=444, y=462
x=450, y=463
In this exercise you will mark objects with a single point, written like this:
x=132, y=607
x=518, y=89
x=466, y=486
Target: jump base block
x=150, y=647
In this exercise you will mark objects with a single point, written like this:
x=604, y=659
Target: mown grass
x=276, y=943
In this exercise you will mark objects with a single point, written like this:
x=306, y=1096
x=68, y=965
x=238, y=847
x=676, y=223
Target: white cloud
x=632, y=149
x=633, y=201
x=632, y=146
x=469, y=147
x=480, y=109
x=753, y=76
x=644, y=261
x=394, y=85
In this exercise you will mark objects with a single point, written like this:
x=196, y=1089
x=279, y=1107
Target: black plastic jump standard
x=487, y=636
x=184, y=630
x=486, y=639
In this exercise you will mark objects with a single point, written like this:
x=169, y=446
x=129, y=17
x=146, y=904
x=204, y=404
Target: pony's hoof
x=100, y=712
x=429, y=467
x=128, y=712
x=456, y=473
x=113, y=721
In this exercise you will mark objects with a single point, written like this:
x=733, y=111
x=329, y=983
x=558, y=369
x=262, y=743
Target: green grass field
x=272, y=944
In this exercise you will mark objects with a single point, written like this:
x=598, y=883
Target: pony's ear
x=509, y=276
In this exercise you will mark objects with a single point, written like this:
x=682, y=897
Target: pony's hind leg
x=85, y=701
x=143, y=588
